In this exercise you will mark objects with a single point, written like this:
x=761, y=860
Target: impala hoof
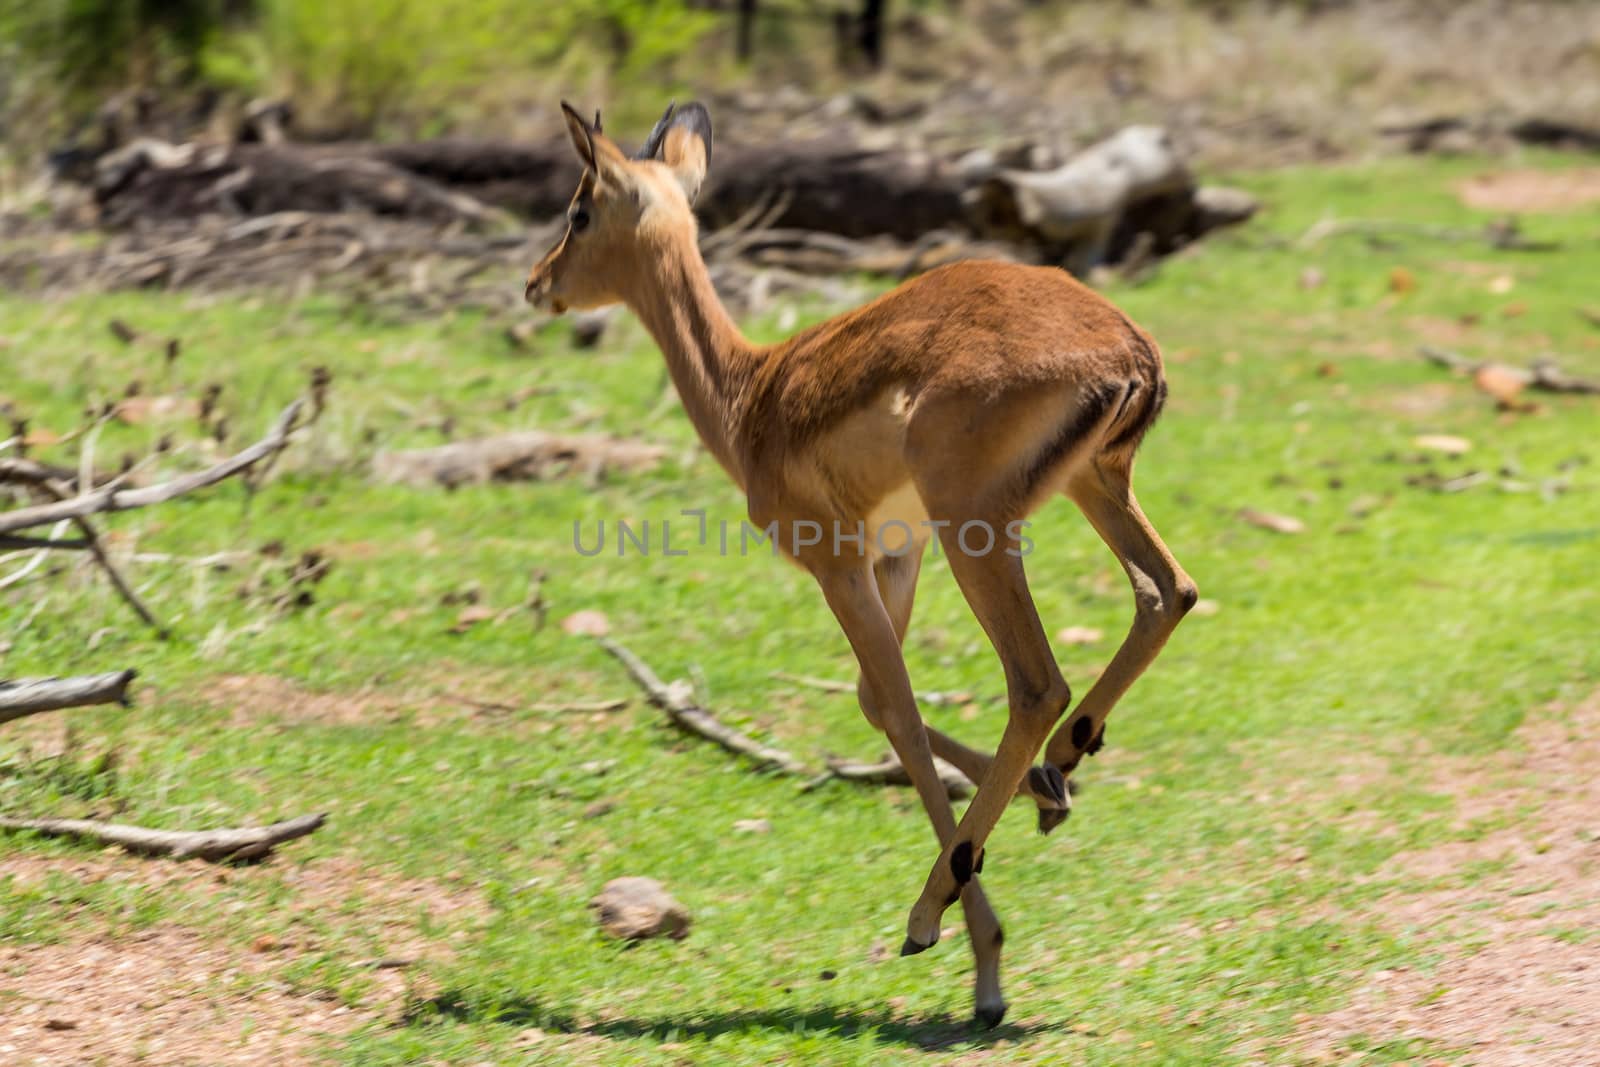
x=911, y=947
x=1048, y=786
x=1049, y=820
x=989, y=1018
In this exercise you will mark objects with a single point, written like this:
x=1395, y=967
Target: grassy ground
x=1221, y=876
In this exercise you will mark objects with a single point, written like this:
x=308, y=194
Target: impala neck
x=709, y=359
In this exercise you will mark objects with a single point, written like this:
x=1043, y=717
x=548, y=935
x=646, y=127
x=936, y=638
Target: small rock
x=753, y=826
x=633, y=909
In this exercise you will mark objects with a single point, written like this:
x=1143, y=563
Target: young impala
x=954, y=405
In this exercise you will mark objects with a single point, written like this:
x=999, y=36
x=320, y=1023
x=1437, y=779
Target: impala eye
x=579, y=219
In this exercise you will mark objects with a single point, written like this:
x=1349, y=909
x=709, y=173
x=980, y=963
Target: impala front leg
x=858, y=605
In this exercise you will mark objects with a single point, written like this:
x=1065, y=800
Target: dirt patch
x=252, y=697
x=1532, y=190
x=1517, y=980
x=441, y=695
x=164, y=995
x=174, y=995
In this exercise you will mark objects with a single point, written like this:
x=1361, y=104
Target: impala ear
x=682, y=140
x=597, y=153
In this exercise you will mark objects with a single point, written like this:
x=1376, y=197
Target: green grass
x=1213, y=884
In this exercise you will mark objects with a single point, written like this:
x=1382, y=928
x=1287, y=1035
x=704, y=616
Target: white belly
x=896, y=522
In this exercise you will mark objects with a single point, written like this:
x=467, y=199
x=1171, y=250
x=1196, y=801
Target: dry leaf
x=470, y=616
x=1079, y=635
x=1514, y=310
x=752, y=826
x=1284, y=524
x=1502, y=284
x=1401, y=280
x=587, y=623
x=41, y=438
x=1449, y=444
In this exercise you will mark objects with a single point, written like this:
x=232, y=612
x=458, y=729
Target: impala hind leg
x=854, y=596
x=997, y=590
x=1162, y=595
x=1044, y=785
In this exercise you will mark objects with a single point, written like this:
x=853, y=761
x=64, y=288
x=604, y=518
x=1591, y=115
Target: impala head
x=625, y=212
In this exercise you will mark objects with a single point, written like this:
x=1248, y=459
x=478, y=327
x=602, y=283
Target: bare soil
x=1513, y=914
x=169, y=994
x=1518, y=191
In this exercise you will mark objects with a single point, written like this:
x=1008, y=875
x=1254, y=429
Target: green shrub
x=415, y=66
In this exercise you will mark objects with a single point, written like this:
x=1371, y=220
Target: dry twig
x=891, y=772
x=111, y=498
x=677, y=702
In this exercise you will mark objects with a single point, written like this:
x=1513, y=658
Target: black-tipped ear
x=580, y=132
x=682, y=140
x=652, y=144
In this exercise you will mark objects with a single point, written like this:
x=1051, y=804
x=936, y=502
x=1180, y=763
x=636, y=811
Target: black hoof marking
x=989, y=1018
x=977, y=868
x=961, y=862
x=1050, y=818
x=999, y=937
x=1047, y=782
x=1082, y=732
x=1099, y=741
x=911, y=948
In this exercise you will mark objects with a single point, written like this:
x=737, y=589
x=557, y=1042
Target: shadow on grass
x=931, y=1034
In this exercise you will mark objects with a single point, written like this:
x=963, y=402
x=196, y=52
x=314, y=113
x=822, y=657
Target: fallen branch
x=29, y=696
x=526, y=455
x=676, y=701
x=112, y=498
x=214, y=846
x=1543, y=375
x=891, y=772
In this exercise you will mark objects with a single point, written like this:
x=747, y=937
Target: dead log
x=1078, y=209
x=676, y=700
x=30, y=696
x=149, y=180
x=214, y=846
x=528, y=455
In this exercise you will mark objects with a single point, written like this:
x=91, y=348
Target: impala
x=969, y=395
